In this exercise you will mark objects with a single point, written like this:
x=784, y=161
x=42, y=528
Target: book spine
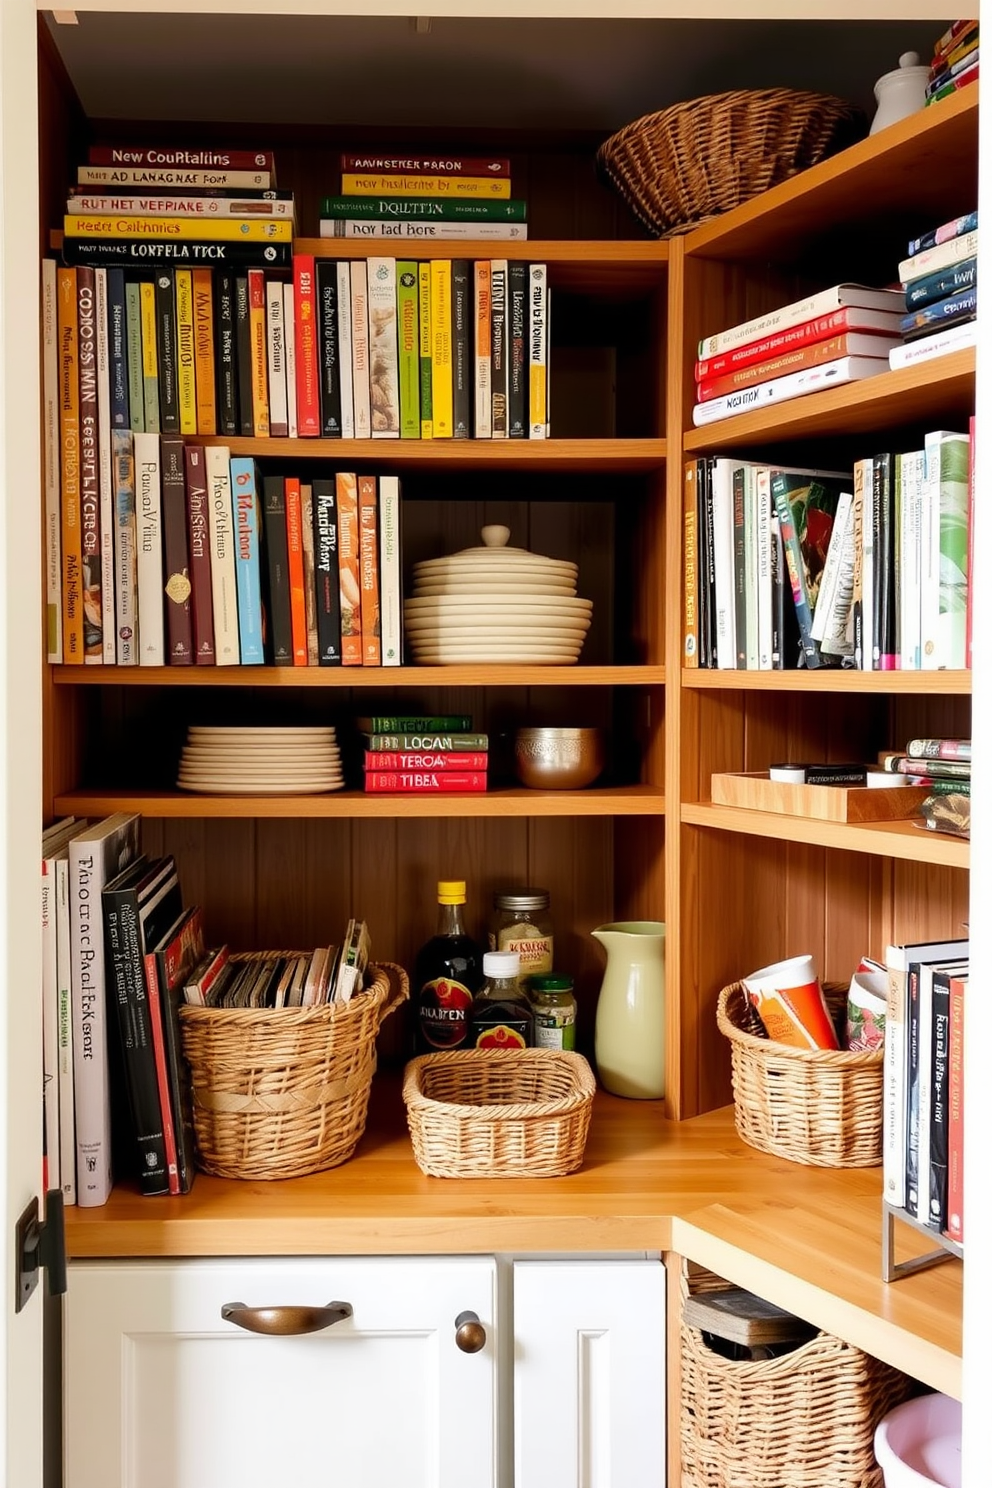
x=276, y=549
x=368, y=538
x=956, y=228
x=884, y=654
x=440, y=209
x=952, y=604
x=149, y=358
x=49, y=1028
x=309, y=573
x=930, y=550
x=408, y=338
x=159, y=228
x=247, y=532
x=809, y=333
x=259, y=355
x=135, y=364
x=792, y=360
x=152, y=254
x=941, y=256
x=740, y=575
x=955, y=1110
x=950, y=311
x=243, y=355
x=346, y=352
x=223, y=576
x=125, y=548
x=415, y=723
x=912, y=1088
x=117, y=338
x=149, y=176
x=763, y=565
x=837, y=588
x=371, y=183
x=792, y=385
x=937, y=1175
x=492, y=166
x=63, y=963
x=538, y=351
x=499, y=376
x=361, y=388
x=204, y=370
x=156, y=1022
x=426, y=390
x=289, y=332
x=908, y=597
x=390, y=571
x=165, y=344
x=104, y=471
x=943, y=283
x=970, y=554
x=70, y=538
x=894, y=1082
x=325, y=337
x=177, y=587
x=925, y=1091
x=328, y=584
x=407, y=229
x=148, y=526
x=518, y=385
x=294, y=559
x=185, y=351
x=161, y=202
x=723, y=565
x=869, y=563
x=442, y=386
x=690, y=595
x=346, y=491
x=437, y=760
x=462, y=359
x=458, y=741
x=424, y=781
x=89, y=471
x=824, y=302
x=275, y=348
x=940, y=749
x=482, y=291
x=794, y=563
x=180, y=159
x=384, y=377
x=225, y=316
x=198, y=536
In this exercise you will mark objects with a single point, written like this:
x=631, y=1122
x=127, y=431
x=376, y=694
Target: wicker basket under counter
x=820, y=1107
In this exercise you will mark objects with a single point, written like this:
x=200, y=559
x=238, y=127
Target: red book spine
x=811, y=331
x=198, y=525
x=428, y=165
x=307, y=369
x=970, y=564
x=426, y=782
x=386, y=759
x=162, y=1071
x=777, y=366
x=955, y=1113
x=297, y=590
x=180, y=159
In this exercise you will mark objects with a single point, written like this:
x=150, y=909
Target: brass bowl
x=558, y=758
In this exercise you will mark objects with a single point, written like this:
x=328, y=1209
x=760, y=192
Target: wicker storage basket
x=677, y=167
x=279, y=1093
x=499, y=1113
x=822, y=1107
x=803, y=1420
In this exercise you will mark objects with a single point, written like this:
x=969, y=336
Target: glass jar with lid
x=522, y=923
x=552, y=996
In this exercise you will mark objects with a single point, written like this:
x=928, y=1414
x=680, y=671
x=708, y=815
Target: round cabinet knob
x=470, y=1335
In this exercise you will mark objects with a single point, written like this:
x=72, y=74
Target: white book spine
x=750, y=569
x=389, y=227
x=838, y=633
x=930, y=552
x=289, y=323
x=723, y=564
x=955, y=338
x=894, y=1092
x=360, y=349
x=345, y=352
x=792, y=385
x=275, y=350
x=390, y=571
x=482, y=321
x=153, y=176
x=63, y=963
x=953, y=481
x=125, y=555
x=51, y=451
x=825, y=619
x=763, y=526
x=50, y=1021
x=537, y=326
x=867, y=566
x=909, y=591
x=107, y=591
x=223, y=575
x=148, y=524
x=157, y=203
x=942, y=256
x=384, y=370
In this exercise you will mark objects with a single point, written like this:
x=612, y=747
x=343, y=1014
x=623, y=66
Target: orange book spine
x=368, y=528
x=297, y=590
x=203, y=349
x=72, y=537
x=346, y=491
x=259, y=353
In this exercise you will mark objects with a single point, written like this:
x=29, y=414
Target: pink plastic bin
x=918, y=1445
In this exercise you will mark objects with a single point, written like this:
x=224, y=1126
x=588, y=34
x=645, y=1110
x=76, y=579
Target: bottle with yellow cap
x=447, y=975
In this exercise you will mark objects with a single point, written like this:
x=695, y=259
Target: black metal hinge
x=38, y=1244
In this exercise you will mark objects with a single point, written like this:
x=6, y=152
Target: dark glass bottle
x=447, y=974
x=502, y=1017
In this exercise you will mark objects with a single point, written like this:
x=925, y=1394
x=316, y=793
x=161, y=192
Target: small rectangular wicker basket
x=499, y=1113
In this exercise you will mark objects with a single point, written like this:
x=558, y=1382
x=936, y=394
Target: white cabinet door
x=161, y=1391
x=589, y=1374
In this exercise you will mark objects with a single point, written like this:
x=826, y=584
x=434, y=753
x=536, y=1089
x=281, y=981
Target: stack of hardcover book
x=425, y=755
x=943, y=765
x=424, y=196
x=940, y=282
x=955, y=60
x=839, y=335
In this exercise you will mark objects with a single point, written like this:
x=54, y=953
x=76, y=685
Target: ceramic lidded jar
x=901, y=92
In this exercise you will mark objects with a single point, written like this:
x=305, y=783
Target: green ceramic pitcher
x=630, y=1015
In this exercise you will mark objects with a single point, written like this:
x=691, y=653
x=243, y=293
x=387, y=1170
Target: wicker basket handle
x=399, y=988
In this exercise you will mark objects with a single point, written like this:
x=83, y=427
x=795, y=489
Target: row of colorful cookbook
x=439, y=754
x=427, y=196
x=955, y=60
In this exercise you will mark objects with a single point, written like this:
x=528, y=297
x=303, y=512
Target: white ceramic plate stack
x=495, y=603
x=260, y=761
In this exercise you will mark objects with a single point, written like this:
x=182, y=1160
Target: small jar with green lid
x=552, y=997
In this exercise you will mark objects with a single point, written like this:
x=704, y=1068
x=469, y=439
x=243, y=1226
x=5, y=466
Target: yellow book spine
x=149, y=358
x=72, y=538
x=483, y=188
x=441, y=384
x=424, y=306
x=259, y=354
x=186, y=379
x=203, y=352
x=213, y=230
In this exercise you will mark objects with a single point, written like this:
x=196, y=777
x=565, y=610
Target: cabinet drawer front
x=162, y=1392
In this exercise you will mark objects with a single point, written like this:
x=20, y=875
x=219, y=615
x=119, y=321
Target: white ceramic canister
x=901, y=92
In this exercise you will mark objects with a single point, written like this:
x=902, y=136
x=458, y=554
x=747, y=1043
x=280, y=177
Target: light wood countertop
x=807, y=1238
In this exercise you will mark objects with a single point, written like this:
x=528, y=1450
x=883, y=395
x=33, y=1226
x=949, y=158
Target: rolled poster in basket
x=789, y=999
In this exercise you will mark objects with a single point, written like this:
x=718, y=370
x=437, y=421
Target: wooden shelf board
x=614, y=456
x=930, y=391
x=898, y=839
x=517, y=801
x=381, y=678
x=830, y=679
x=923, y=162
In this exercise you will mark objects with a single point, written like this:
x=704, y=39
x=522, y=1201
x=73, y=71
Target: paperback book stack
x=944, y=767
x=423, y=755
x=940, y=282
x=955, y=61
x=838, y=335
x=431, y=197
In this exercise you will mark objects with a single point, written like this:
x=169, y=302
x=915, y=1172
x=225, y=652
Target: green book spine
x=415, y=723
x=430, y=739
x=445, y=209
x=426, y=379
x=135, y=381
x=408, y=322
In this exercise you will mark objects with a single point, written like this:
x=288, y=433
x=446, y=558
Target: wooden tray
x=839, y=803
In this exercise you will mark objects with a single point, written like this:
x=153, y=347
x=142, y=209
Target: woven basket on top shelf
x=821, y=1107
x=282, y=1092
x=499, y=1113
x=696, y=159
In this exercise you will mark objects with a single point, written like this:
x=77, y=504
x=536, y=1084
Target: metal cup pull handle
x=285, y=1322
x=470, y=1335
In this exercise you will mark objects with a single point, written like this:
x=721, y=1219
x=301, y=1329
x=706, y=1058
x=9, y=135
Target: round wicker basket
x=279, y=1093
x=820, y=1107
x=691, y=161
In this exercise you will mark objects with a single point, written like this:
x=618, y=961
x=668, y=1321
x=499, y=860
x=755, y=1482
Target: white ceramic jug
x=630, y=1015
x=901, y=92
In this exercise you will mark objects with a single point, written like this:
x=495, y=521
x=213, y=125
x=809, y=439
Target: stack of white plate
x=495, y=603
x=260, y=761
